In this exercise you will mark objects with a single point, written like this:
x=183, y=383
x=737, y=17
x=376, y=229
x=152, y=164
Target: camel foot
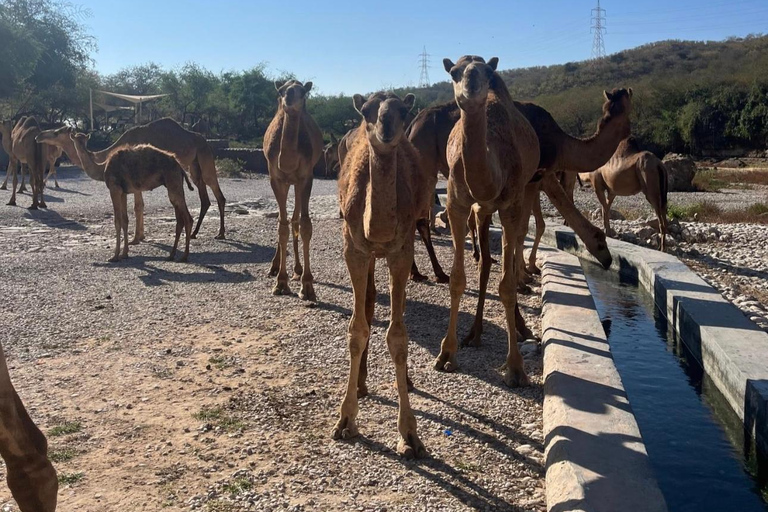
x=193, y=236
x=43, y=205
x=307, y=292
x=11, y=203
x=442, y=278
x=524, y=289
x=3, y=187
x=362, y=391
x=345, y=429
x=533, y=270
x=22, y=189
x=446, y=362
x=473, y=339
x=220, y=236
x=113, y=259
x=411, y=447
x=418, y=277
x=516, y=378
x=57, y=185
x=281, y=289
x=135, y=241
x=33, y=207
x=526, y=278
x=476, y=257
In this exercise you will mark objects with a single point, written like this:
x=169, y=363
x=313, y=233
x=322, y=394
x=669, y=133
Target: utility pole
x=598, y=28
x=424, y=65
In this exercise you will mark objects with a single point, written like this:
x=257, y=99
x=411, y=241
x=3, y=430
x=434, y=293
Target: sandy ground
x=176, y=386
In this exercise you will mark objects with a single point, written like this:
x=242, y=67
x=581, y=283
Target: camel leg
x=655, y=202
x=4, y=186
x=532, y=192
x=457, y=216
x=138, y=210
x=423, y=226
x=307, y=291
x=52, y=172
x=115, y=195
x=472, y=226
x=179, y=226
x=221, y=201
x=593, y=238
x=297, y=269
x=540, y=226
x=358, y=332
x=473, y=339
x=409, y=445
x=510, y=220
x=12, y=168
x=35, y=201
x=205, y=201
x=370, y=304
x=40, y=184
x=124, y=223
x=23, y=187
x=283, y=228
x=30, y=475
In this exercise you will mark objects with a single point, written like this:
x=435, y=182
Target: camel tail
x=663, y=186
x=186, y=178
x=578, y=178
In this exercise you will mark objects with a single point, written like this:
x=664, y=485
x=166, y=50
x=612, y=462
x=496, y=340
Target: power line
x=424, y=64
x=598, y=28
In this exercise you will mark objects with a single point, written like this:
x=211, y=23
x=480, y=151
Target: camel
x=6, y=127
x=26, y=151
x=53, y=154
x=382, y=194
x=30, y=475
x=293, y=144
x=492, y=153
x=629, y=172
x=331, y=156
x=134, y=169
x=190, y=149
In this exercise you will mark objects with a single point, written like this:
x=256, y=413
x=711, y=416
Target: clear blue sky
x=350, y=47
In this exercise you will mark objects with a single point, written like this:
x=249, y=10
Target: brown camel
x=30, y=475
x=629, y=172
x=381, y=192
x=135, y=169
x=331, y=156
x=6, y=128
x=492, y=153
x=293, y=144
x=190, y=149
x=26, y=151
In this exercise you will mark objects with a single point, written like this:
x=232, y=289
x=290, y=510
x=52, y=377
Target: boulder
x=731, y=163
x=682, y=170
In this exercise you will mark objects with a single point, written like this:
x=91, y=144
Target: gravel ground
x=191, y=387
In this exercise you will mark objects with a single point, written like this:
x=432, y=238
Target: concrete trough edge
x=732, y=350
x=595, y=456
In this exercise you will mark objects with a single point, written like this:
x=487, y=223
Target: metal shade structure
x=130, y=98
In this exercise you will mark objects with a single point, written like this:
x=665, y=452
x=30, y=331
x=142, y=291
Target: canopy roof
x=132, y=97
x=110, y=108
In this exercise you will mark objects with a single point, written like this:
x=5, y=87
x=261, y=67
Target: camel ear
x=410, y=101
x=608, y=96
x=494, y=62
x=448, y=64
x=307, y=87
x=630, y=93
x=358, y=102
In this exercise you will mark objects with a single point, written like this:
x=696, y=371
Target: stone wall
x=254, y=160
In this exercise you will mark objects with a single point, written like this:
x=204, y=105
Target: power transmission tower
x=424, y=64
x=598, y=28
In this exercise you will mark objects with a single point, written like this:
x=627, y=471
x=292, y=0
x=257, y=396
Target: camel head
x=293, y=95
x=57, y=137
x=618, y=102
x=471, y=77
x=331, y=155
x=384, y=115
x=80, y=140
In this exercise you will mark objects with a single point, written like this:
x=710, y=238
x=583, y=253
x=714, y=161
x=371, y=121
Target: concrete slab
x=732, y=350
x=595, y=457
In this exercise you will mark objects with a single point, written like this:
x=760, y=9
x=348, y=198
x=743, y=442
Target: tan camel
x=331, y=156
x=30, y=475
x=492, y=153
x=190, y=149
x=6, y=127
x=629, y=172
x=27, y=152
x=135, y=169
x=381, y=192
x=293, y=144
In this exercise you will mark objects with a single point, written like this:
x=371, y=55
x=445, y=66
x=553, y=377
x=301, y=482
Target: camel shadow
x=248, y=253
x=53, y=219
x=156, y=276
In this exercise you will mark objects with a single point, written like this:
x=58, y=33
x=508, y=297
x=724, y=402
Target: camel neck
x=482, y=179
x=288, y=160
x=380, y=217
x=586, y=155
x=92, y=169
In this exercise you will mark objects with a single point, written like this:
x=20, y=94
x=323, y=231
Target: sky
x=358, y=47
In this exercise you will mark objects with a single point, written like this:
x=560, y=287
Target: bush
x=230, y=168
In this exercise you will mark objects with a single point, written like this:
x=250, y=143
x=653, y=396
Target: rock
x=644, y=233
x=731, y=163
x=681, y=170
x=615, y=215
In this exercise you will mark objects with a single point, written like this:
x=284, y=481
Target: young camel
x=134, y=169
x=190, y=149
x=629, y=172
x=492, y=153
x=26, y=151
x=30, y=475
x=381, y=193
x=293, y=144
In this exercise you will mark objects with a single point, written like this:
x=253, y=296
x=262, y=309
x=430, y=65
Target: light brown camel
x=382, y=193
x=141, y=168
x=27, y=152
x=629, y=172
x=492, y=153
x=30, y=475
x=191, y=150
x=6, y=127
x=331, y=156
x=293, y=144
